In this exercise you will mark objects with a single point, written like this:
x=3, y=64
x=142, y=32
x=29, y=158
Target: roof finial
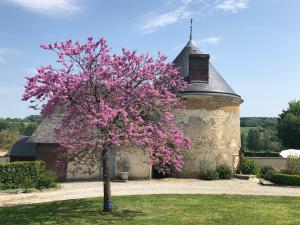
x=191, y=29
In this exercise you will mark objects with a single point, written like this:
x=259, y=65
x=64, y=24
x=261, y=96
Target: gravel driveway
x=75, y=190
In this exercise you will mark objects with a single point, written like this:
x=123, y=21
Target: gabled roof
x=216, y=84
x=45, y=131
x=22, y=148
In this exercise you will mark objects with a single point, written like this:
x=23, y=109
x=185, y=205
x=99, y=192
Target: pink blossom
x=111, y=100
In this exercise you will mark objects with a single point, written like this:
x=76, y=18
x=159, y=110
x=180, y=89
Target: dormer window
x=198, y=68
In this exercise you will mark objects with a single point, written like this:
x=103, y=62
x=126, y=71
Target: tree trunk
x=107, y=202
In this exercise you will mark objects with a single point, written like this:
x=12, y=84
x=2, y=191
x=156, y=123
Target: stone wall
x=139, y=168
x=3, y=156
x=213, y=124
x=48, y=154
x=138, y=165
x=81, y=174
x=4, y=159
x=277, y=163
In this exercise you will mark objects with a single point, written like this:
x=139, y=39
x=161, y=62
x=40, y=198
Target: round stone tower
x=212, y=116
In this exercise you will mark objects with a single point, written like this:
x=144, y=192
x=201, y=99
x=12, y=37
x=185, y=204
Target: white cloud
x=183, y=9
x=211, y=40
x=6, y=53
x=232, y=5
x=48, y=7
x=157, y=21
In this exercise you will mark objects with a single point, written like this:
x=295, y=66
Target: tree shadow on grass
x=85, y=211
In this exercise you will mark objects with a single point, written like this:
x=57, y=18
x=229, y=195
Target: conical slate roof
x=216, y=84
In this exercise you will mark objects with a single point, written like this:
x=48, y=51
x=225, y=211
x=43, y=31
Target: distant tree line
x=261, y=135
x=271, y=133
x=31, y=118
x=264, y=133
x=260, y=139
x=12, y=128
x=264, y=122
x=7, y=138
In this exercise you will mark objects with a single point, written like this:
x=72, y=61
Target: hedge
x=267, y=172
x=286, y=179
x=209, y=174
x=262, y=154
x=25, y=175
x=224, y=171
x=250, y=167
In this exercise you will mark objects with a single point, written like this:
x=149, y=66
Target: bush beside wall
x=267, y=172
x=25, y=175
x=221, y=172
x=224, y=171
x=209, y=174
x=261, y=154
x=293, y=165
x=286, y=179
x=250, y=167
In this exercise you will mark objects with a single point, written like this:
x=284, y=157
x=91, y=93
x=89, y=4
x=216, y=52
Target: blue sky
x=254, y=44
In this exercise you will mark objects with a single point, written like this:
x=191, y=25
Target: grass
x=17, y=190
x=160, y=209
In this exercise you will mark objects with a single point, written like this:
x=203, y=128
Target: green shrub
x=209, y=174
x=261, y=154
x=250, y=167
x=266, y=170
x=7, y=186
x=224, y=171
x=286, y=179
x=28, y=183
x=17, y=172
x=269, y=174
x=46, y=180
x=22, y=174
x=293, y=165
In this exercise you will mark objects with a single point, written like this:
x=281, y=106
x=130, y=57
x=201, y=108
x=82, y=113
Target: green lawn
x=161, y=209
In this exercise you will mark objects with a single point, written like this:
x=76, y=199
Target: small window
x=198, y=68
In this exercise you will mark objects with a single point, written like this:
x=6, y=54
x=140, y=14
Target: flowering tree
x=108, y=101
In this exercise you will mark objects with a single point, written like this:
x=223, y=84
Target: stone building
x=22, y=150
x=212, y=115
x=211, y=120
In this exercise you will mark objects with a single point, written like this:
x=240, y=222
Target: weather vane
x=191, y=29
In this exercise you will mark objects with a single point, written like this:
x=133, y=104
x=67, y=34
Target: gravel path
x=76, y=190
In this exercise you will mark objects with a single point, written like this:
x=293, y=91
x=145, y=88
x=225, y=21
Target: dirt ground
x=84, y=189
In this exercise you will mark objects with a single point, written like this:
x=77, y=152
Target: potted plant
x=124, y=169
